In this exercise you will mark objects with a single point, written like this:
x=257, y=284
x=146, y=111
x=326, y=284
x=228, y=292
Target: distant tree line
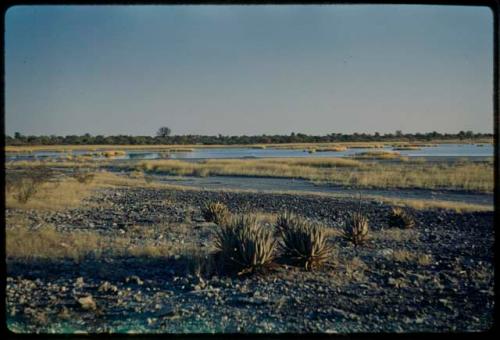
x=164, y=137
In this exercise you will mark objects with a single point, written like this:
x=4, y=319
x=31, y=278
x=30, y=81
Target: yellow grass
x=378, y=155
x=47, y=242
x=407, y=148
x=422, y=204
x=53, y=196
x=69, y=193
x=342, y=171
x=403, y=255
x=395, y=234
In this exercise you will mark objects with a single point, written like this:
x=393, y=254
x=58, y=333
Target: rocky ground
x=436, y=277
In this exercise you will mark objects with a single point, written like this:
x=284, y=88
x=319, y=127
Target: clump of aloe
x=216, y=212
x=303, y=242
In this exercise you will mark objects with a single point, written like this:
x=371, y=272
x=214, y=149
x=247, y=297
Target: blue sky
x=248, y=69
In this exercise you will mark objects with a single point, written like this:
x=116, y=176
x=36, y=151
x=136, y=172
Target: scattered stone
x=87, y=302
x=134, y=279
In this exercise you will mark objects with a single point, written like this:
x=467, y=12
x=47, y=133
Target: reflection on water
x=441, y=150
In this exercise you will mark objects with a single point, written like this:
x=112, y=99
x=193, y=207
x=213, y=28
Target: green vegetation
x=163, y=137
x=303, y=242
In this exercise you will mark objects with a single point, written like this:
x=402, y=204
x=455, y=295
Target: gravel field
x=445, y=282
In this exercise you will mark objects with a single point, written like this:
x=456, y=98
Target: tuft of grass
x=378, y=155
x=216, y=212
x=84, y=176
x=334, y=148
x=27, y=187
x=408, y=147
x=113, y=153
x=405, y=256
x=303, y=242
x=46, y=242
x=245, y=245
x=400, y=218
x=356, y=228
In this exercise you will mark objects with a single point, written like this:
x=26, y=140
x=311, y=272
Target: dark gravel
x=361, y=289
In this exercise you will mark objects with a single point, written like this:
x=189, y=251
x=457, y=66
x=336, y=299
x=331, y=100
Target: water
x=441, y=150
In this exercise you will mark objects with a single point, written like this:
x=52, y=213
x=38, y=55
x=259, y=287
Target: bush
x=27, y=187
x=216, y=212
x=356, y=228
x=303, y=242
x=83, y=177
x=244, y=244
x=29, y=183
x=400, y=218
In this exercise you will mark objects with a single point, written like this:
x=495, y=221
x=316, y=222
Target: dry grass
x=396, y=235
x=459, y=207
x=216, y=212
x=477, y=176
x=46, y=242
x=403, y=255
x=400, y=218
x=68, y=192
x=379, y=155
x=316, y=168
x=355, y=269
x=334, y=170
x=409, y=147
x=364, y=173
x=64, y=194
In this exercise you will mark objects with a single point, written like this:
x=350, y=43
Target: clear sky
x=248, y=69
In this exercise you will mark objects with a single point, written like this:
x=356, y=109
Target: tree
x=163, y=132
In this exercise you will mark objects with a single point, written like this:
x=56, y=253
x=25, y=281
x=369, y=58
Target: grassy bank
x=474, y=176
x=370, y=171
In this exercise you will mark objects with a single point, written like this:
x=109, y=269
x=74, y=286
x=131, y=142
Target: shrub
x=356, y=228
x=29, y=183
x=303, y=242
x=83, y=177
x=400, y=218
x=27, y=187
x=216, y=212
x=244, y=244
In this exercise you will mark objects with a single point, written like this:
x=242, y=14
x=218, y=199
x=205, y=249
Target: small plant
x=27, y=188
x=356, y=228
x=244, y=244
x=216, y=212
x=29, y=184
x=400, y=218
x=84, y=177
x=303, y=242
